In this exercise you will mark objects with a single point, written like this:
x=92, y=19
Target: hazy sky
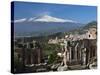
x=82, y=14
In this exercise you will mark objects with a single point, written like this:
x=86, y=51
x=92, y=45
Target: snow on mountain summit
x=44, y=18
x=47, y=18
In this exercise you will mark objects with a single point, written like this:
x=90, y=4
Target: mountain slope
x=43, y=25
x=90, y=25
x=82, y=30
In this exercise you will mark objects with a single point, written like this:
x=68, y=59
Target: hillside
x=83, y=30
x=90, y=25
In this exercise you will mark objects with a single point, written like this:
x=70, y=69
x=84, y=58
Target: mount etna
x=43, y=25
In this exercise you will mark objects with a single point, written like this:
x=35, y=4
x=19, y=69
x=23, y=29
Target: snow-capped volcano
x=44, y=18
x=43, y=25
x=47, y=18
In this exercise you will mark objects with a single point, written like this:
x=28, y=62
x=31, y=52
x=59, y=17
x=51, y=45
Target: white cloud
x=20, y=20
